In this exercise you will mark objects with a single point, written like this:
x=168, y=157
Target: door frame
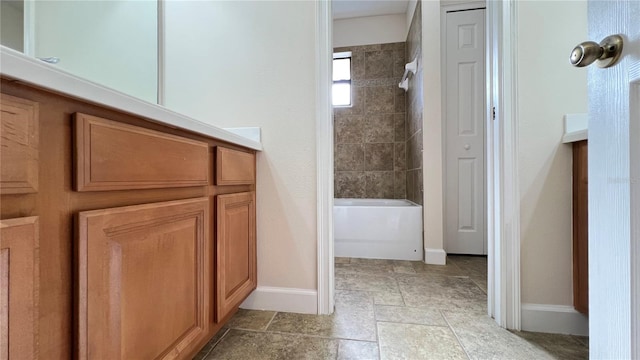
x=324, y=157
x=444, y=9
x=503, y=198
x=503, y=193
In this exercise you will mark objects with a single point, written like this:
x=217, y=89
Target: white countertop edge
x=16, y=65
x=575, y=136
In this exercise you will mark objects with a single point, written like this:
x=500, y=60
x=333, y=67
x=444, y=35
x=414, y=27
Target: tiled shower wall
x=370, y=135
x=415, y=104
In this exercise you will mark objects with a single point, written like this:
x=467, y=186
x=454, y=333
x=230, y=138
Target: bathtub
x=377, y=229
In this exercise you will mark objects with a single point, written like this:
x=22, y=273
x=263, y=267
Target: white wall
x=411, y=8
x=11, y=25
x=432, y=132
x=370, y=30
x=252, y=63
x=113, y=43
x=548, y=88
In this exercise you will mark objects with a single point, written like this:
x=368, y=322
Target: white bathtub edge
x=435, y=256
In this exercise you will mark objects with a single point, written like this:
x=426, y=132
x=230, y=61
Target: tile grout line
x=375, y=317
x=409, y=323
x=455, y=334
x=476, y=284
x=216, y=344
x=305, y=335
x=270, y=321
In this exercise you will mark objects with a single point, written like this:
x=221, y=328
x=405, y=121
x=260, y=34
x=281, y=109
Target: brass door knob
x=607, y=53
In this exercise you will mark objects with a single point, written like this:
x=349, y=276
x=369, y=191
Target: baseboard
x=303, y=301
x=557, y=319
x=435, y=256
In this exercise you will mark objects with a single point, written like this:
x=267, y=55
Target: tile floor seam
x=375, y=317
x=216, y=344
x=455, y=334
x=401, y=295
x=304, y=335
x=409, y=323
x=270, y=321
x=478, y=285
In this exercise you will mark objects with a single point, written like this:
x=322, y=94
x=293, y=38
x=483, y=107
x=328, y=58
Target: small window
x=341, y=79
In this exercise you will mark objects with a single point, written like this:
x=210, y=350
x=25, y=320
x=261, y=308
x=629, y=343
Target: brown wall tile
x=357, y=65
x=349, y=129
x=414, y=151
x=349, y=184
x=400, y=185
x=380, y=99
x=399, y=120
x=399, y=156
x=414, y=186
x=349, y=157
x=379, y=184
x=378, y=64
x=399, y=62
x=379, y=128
x=378, y=157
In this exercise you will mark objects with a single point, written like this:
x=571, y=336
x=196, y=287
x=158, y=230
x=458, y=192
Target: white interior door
x=614, y=186
x=464, y=139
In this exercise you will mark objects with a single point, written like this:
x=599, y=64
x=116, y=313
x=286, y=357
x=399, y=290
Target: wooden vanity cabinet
x=117, y=240
x=580, y=227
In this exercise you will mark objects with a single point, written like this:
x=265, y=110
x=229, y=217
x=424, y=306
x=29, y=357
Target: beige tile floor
x=388, y=309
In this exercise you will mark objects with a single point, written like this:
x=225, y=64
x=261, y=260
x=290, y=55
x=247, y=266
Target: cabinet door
x=19, y=155
x=19, y=288
x=581, y=227
x=235, y=251
x=143, y=280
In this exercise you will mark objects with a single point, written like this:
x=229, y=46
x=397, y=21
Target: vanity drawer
x=235, y=167
x=114, y=156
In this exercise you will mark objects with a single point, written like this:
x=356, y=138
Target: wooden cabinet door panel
x=116, y=156
x=234, y=167
x=19, y=138
x=143, y=280
x=235, y=250
x=580, y=227
x=19, y=279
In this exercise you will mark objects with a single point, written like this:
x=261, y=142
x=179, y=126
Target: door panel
x=465, y=116
x=19, y=283
x=467, y=187
x=143, y=280
x=467, y=99
x=235, y=251
x=614, y=186
x=19, y=136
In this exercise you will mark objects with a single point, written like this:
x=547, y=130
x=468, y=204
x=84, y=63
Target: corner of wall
x=411, y=8
x=432, y=125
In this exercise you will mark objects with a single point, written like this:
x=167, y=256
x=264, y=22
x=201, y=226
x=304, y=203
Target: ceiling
x=343, y=9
